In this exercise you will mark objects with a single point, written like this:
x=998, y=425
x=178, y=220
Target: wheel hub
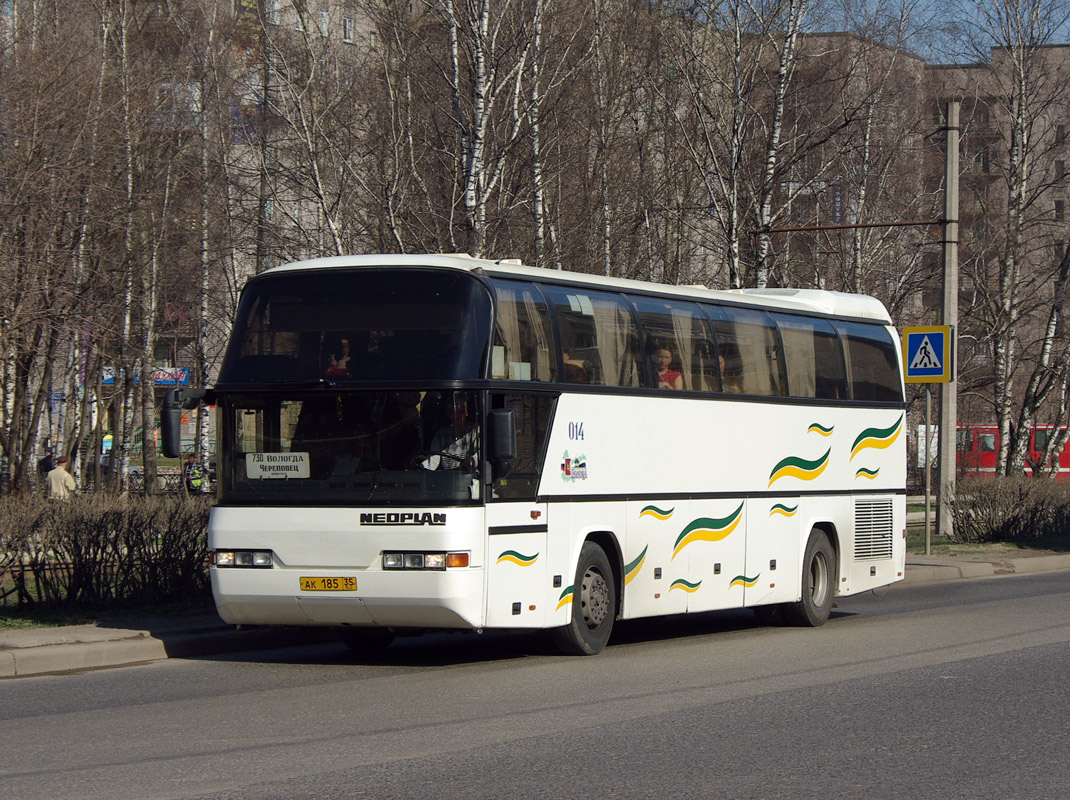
x=594, y=598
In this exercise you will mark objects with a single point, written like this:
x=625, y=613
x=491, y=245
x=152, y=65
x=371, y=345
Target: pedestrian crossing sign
x=927, y=354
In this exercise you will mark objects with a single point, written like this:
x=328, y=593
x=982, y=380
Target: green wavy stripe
x=519, y=559
x=565, y=598
x=743, y=580
x=818, y=428
x=632, y=569
x=795, y=467
x=867, y=473
x=657, y=513
x=686, y=586
x=877, y=438
x=783, y=510
x=706, y=529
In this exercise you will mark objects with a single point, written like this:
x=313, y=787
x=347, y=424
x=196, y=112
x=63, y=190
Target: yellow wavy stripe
x=784, y=512
x=685, y=587
x=797, y=472
x=515, y=560
x=745, y=584
x=822, y=431
x=706, y=535
x=865, y=473
x=565, y=601
x=876, y=444
x=634, y=572
x=655, y=514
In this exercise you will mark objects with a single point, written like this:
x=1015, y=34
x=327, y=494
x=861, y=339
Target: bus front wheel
x=594, y=605
x=818, y=583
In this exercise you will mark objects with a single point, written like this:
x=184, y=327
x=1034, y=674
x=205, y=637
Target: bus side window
x=598, y=335
x=521, y=350
x=872, y=362
x=747, y=340
x=681, y=329
x=814, y=358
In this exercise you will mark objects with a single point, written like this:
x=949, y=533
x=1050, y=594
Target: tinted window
x=350, y=447
x=359, y=326
x=533, y=415
x=599, y=340
x=872, y=362
x=678, y=345
x=813, y=357
x=748, y=349
x=522, y=343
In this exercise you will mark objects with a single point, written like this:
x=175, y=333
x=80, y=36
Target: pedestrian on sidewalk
x=60, y=482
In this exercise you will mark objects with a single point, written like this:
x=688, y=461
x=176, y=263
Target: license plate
x=328, y=584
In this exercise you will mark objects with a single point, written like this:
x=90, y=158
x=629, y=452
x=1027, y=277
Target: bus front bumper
x=401, y=599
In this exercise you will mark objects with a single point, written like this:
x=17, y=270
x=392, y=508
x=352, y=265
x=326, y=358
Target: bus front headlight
x=256, y=559
x=425, y=561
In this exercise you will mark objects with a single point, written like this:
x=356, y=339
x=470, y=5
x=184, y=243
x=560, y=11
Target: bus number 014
x=575, y=431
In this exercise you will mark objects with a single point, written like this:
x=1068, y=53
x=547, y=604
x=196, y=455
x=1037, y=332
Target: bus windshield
x=369, y=325
x=351, y=448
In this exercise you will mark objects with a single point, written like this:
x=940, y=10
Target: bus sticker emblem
x=573, y=469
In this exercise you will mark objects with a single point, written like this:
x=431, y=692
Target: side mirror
x=501, y=441
x=171, y=418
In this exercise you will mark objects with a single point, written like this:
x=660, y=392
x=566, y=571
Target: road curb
x=946, y=570
x=136, y=647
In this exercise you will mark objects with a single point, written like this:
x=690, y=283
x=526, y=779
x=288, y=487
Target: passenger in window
x=661, y=357
x=729, y=383
x=339, y=364
x=576, y=371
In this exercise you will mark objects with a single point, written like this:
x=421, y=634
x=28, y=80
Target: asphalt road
x=954, y=690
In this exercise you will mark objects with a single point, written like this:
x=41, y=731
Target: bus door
x=518, y=560
x=517, y=564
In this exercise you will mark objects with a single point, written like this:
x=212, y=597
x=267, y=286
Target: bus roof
x=840, y=304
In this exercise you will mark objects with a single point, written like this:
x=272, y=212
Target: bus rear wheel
x=818, y=583
x=594, y=605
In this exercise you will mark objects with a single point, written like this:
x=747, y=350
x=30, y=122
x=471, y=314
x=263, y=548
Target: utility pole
x=950, y=316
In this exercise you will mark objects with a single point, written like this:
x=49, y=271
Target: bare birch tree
x=1020, y=266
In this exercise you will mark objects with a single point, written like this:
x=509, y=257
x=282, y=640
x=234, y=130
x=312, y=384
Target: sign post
x=927, y=359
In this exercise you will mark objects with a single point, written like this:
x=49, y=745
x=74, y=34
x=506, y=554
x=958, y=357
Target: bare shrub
x=97, y=550
x=1010, y=510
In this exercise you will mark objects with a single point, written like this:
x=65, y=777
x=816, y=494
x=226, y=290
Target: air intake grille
x=873, y=529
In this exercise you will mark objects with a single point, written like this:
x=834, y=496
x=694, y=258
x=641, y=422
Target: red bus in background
x=978, y=449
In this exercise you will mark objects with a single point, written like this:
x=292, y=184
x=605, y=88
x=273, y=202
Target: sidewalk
x=39, y=651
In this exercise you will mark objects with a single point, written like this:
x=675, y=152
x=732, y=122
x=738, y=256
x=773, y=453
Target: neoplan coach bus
x=432, y=442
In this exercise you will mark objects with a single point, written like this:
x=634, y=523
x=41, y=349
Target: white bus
x=439, y=442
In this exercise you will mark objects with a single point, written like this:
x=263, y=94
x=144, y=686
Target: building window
x=1060, y=210
x=1060, y=134
x=347, y=29
x=1060, y=170
x=324, y=20
x=273, y=12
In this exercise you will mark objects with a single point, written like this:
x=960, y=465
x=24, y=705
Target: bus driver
x=455, y=444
